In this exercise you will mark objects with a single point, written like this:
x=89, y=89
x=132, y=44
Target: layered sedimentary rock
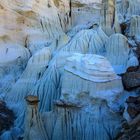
x=65, y=13
x=29, y=18
x=85, y=72
x=119, y=53
x=108, y=17
x=90, y=10
x=24, y=24
x=122, y=8
x=81, y=105
x=82, y=123
x=49, y=86
x=50, y=49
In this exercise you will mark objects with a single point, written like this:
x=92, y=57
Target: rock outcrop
x=12, y=63
x=131, y=130
x=92, y=74
x=134, y=28
x=34, y=70
x=81, y=103
x=87, y=41
x=33, y=123
x=72, y=57
x=119, y=53
x=108, y=17
x=128, y=8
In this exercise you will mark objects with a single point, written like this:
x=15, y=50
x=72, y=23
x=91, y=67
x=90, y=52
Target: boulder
x=131, y=79
x=131, y=130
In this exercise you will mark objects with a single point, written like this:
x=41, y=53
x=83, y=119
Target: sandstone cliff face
x=67, y=58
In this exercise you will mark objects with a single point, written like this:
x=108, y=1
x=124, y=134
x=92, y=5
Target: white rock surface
x=133, y=8
x=119, y=53
x=33, y=123
x=128, y=8
x=92, y=74
x=134, y=28
x=87, y=41
x=34, y=70
x=67, y=50
x=13, y=59
x=84, y=103
x=108, y=18
x=94, y=121
x=91, y=67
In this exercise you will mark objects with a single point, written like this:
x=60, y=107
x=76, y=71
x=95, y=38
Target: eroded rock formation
x=109, y=18
x=119, y=53
x=70, y=55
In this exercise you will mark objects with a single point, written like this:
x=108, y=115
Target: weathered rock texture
x=92, y=74
x=109, y=19
x=81, y=103
x=87, y=41
x=131, y=79
x=68, y=54
x=35, y=68
x=128, y=8
x=34, y=128
x=134, y=28
x=119, y=53
x=131, y=130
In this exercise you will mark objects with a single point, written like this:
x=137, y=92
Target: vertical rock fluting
x=119, y=53
x=13, y=59
x=26, y=26
x=128, y=8
x=109, y=19
x=69, y=122
x=90, y=10
x=47, y=89
x=92, y=41
x=65, y=9
x=34, y=70
x=34, y=129
x=80, y=92
x=83, y=111
x=87, y=41
x=134, y=28
x=133, y=8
